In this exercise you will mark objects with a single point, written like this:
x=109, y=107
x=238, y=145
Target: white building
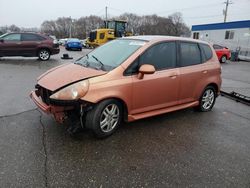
x=234, y=35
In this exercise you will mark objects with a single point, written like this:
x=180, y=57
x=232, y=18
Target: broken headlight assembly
x=72, y=92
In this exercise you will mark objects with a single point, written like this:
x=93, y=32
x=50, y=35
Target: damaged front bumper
x=57, y=111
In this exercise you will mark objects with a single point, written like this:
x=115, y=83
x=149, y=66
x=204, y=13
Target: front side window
x=189, y=54
x=161, y=56
x=12, y=37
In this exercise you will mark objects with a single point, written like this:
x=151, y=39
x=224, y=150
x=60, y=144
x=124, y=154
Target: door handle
x=18, y=43
x=205, y=71
x=173, y=76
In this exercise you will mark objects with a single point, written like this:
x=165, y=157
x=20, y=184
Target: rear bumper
x=57, y=111
x=73, y=47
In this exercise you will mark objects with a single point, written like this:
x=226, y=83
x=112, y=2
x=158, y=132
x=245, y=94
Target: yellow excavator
x=112, y=30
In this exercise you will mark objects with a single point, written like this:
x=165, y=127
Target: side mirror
x=146, y=69
x=1, y=40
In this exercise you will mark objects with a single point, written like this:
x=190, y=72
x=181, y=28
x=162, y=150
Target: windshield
x=73, y=40
x=3, y=35
x=111, y=55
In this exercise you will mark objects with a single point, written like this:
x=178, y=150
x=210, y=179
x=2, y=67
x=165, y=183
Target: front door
x=10, y=45
x=159, y=90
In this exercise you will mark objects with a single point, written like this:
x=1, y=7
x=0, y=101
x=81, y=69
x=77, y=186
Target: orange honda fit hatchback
x=129, y=79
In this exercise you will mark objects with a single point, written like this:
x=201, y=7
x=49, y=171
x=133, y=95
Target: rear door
x=30, y=42
x=11, y=44
x=192, y=71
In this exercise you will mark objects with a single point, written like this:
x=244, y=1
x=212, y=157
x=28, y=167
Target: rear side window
x=162, y=56
x=206, y=51
x=189, y=54
x=31, y=37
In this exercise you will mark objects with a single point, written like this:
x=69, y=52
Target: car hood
x=63, y=75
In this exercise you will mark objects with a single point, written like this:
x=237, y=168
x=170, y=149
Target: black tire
x=44, y=54
x=208, y=96
x=96, y=117
x=80, y=49
x=223, y=59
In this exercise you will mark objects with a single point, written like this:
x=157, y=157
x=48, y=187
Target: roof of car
x=152, y=38
x=28, y=32
x=73, y=39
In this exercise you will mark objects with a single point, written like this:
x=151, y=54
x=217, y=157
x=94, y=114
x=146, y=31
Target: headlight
x=72, y=92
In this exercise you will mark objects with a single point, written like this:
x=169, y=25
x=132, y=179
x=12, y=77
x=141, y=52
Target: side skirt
x=133, y=117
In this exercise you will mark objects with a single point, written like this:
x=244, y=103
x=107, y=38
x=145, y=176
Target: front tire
x=207, y=99
x=44, y=54
x=104, y=118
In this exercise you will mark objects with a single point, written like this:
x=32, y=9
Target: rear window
x=73, y=40
x=190, y=54
x=208, y=54
x=217, y=47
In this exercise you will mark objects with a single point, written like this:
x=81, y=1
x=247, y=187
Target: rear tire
x=44, y=54
x=207, y=99
x=223, y=59
x=104, y=118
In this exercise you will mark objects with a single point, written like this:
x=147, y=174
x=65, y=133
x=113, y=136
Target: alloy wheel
x=44, y=55
x=109, y=118
x=208, y=99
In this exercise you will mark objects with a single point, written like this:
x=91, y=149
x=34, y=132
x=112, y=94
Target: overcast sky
x=31, y=13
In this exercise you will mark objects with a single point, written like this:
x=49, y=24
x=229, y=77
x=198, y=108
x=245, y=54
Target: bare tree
x=179, y=27
x=148, y=24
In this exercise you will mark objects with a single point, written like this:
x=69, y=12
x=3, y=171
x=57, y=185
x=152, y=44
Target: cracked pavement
x=179, y=149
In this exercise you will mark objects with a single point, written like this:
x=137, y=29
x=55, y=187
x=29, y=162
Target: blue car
x=73, y=44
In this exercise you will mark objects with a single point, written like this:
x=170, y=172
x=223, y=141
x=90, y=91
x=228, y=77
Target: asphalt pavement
x=178, y=149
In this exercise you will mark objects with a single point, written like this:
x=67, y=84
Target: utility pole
x=106, y=13
x=70, y=27
x=225, y=11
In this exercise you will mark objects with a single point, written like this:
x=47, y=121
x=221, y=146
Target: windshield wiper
x=85, y=63
x=102, y=65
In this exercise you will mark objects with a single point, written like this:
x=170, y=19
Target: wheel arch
x=214, y=85
x=41, y=48
x=123, y=104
